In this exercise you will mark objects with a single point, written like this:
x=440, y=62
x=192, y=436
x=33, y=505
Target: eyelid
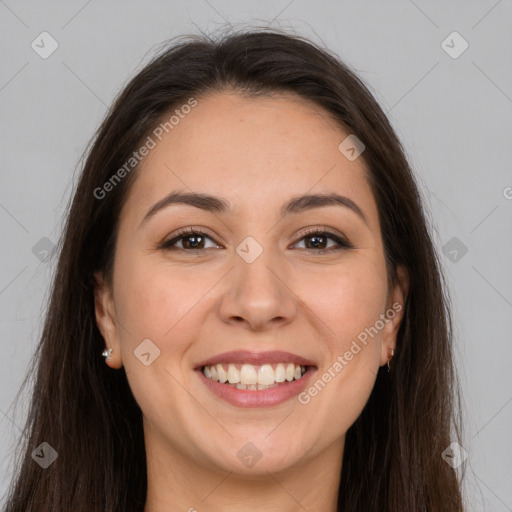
x=321, y=229
x=192, y=230
x=340, y=239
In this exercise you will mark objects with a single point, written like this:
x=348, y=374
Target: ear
x=105, y=319
x=397, y=298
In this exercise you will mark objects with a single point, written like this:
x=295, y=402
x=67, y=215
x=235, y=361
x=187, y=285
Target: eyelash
x=189, y=232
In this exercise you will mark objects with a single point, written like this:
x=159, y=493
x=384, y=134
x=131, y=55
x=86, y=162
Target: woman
x=247, y=248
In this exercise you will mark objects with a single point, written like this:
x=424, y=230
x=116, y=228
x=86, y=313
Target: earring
x=389, y=359
x=107, y=354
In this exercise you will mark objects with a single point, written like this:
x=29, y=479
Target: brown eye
x=190, y=241
x=319, y=241
x=316, y=241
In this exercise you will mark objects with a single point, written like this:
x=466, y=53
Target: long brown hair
x=393, y=453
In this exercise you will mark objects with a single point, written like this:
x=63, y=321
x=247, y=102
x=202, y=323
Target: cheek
x=150, y=292
x=348, y=301
x=157, y=302
x=349, y=305
x=152, y=300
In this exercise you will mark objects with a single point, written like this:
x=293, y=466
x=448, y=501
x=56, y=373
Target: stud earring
x=107, y=354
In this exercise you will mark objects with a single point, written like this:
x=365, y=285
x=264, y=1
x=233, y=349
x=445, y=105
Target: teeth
x=289, y=374
x=266, y=375
x=223, y=376
x=233, y=374
x=248, y=376
x=255, y=387
x=280, y=373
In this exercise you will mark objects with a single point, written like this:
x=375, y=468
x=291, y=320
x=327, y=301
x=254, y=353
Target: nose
x=258, y=295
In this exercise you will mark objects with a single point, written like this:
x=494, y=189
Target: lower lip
x=255, y=398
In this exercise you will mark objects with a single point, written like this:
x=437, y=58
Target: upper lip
x=256, y=358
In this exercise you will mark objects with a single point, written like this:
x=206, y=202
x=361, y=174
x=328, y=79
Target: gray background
x=454, y=116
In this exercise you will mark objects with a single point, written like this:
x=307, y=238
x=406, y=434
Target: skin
x=257, y=153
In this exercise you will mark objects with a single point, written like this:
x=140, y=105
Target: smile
x=252, y=379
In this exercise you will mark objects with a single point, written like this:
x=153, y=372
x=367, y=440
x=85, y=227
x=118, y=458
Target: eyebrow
x=214, y=204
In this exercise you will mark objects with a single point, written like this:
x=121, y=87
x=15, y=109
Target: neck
x=177, y=482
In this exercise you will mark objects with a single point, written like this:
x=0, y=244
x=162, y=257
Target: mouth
x=251, y=379
x=254, y=378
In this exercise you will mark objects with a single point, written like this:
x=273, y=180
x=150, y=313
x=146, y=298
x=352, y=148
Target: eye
x=318, y=241
x=190, y=239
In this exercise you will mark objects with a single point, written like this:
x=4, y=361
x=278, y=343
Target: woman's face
x=254, y=291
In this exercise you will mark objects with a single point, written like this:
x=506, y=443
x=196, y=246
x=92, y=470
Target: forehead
x=254, y=151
